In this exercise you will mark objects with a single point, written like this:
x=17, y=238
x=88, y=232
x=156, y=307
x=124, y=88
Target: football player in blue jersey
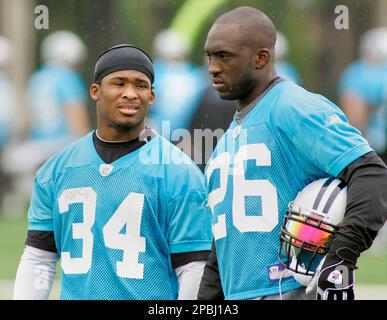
x=124, y=211
x=282, y=138
x=362, y=89
x=57, y=114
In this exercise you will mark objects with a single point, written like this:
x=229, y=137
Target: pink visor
x=304, y=229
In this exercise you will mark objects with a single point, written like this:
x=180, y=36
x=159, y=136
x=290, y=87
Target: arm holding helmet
x=366, y=213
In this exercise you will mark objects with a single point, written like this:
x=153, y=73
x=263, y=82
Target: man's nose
x=213, y=67
x=130, y=92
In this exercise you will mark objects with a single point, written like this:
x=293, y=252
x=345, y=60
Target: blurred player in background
x=124, y=209
x=179, y=83
x=284, y=68
x=56, y=97
x=363, y=97
x=6, y=92
x=281, y=139
x=363, y=88
x=7, y=105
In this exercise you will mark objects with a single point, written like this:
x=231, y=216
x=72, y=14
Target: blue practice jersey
x=365, y=80
x=368, y=82
x=116, y=226
x=287, y=71
x=50, y=90
x=179, y=88
x=290, y=138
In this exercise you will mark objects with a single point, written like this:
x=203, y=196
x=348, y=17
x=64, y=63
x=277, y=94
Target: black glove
x=337, y=276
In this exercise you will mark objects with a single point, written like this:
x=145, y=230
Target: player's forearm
x=35, y=274
x=366, y=203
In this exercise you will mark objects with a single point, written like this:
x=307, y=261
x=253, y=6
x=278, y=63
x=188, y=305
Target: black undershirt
x=110, y=152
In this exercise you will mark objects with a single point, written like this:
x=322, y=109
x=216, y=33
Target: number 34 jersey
x=290, y=138
x=115, y=226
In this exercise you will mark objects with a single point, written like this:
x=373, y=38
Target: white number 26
x=242, y=187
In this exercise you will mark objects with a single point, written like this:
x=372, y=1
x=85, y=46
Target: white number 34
x=128, y=214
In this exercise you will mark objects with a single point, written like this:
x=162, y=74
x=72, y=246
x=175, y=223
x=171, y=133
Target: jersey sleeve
x=320, y=134
x=189, y=217
x=40, y=212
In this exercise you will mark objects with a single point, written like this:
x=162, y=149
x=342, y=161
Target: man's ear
x=262, y=58
x=94, y=91
x=152, y=97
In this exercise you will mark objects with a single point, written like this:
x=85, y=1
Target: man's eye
x=119, y=84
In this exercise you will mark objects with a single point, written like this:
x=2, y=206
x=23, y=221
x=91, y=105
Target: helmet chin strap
x=280, y=283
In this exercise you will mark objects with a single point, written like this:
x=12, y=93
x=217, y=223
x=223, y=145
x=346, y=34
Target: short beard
x=238, y=94
x=242, y=89
x=124, y=126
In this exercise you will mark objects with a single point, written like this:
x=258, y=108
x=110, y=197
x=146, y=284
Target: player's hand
x=336, y=279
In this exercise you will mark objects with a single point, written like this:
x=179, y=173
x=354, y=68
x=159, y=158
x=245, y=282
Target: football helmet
x=373, y=45
x=171, y=45
x=309, y=225
x=63, y=48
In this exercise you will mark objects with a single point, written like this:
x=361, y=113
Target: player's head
x=240, y=47
x=63, y=48
x=310, y=224
x=5, y=52
x=373, y=45
x=171, y=45
x=122, y=88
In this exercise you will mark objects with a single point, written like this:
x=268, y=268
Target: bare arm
x=355, y=110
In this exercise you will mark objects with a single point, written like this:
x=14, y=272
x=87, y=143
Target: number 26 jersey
x=290, y=138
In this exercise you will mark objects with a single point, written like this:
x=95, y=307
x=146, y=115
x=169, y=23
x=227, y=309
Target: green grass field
x=12, y=238
x=372, y=269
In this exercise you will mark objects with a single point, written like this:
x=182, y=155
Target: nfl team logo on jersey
x=105, y=169
x=333, y=120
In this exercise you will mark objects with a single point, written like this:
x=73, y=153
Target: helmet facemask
x=305, y=239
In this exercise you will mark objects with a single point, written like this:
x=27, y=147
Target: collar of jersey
x=124, y=161
x=250, y=109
